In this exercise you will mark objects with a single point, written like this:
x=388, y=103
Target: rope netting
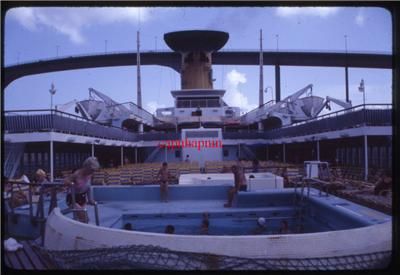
x=155, y=257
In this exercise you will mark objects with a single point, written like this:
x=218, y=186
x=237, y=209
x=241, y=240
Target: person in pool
x=205, y=224
x=170, y=229
x=80, y=180
x=261, y=227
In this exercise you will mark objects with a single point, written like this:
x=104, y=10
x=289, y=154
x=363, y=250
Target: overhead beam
x=173, y=60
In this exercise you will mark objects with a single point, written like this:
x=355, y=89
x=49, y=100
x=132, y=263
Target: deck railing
x=23, y=121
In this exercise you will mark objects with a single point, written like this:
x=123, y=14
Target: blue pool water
x=141, y=207
x=230, y=223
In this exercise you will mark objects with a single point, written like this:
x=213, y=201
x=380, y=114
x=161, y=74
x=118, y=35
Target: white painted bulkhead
x=63, y=233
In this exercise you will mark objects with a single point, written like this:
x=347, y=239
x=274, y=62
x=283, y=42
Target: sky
x=33, y=33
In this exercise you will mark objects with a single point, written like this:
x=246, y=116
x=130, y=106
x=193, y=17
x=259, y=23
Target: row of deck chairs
x=225, y=166
x=141, y=173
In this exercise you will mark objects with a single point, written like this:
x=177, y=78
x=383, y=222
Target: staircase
x=247, y=152
x=153, y=154
x=12, y=158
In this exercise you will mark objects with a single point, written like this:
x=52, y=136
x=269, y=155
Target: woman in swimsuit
x=81, y=179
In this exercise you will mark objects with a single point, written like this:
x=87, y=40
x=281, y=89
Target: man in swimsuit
x=164, y=175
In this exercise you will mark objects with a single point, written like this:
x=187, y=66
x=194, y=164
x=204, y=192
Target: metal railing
x=45, y=188
x=73, y=209
x=22, y=121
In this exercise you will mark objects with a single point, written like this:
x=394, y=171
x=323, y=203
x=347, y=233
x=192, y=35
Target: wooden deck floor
x=27, y=258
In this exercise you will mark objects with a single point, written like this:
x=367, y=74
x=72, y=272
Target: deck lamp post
x=52, y=92
x=361, y=88
x=269, y=88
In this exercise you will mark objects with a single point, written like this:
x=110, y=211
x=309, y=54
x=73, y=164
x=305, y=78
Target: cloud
x=152, y=106
x=234, y=97
x=360, y=19
x=309, y=11
x=72, y=21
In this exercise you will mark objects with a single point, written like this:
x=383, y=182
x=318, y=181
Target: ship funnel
x=196, y=48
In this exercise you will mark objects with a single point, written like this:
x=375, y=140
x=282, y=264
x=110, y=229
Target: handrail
x=351, y=109
x=75, y=210
x=39, y=217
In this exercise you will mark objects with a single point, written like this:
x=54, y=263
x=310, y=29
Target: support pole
x=284, y=152
x=135, y=154
x=346, y=72
x=365, y=158
x=277, y=83
x=318, y=150
x=122, y=156
x=92, y=149
x=267, y=152
x=261, y=91
x=139, y=90
x=51, y=158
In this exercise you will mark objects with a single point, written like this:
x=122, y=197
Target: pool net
x=158, y=258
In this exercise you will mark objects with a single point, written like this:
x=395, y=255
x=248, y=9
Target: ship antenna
x=261, y=96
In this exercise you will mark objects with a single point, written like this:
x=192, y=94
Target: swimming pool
x=332, y=227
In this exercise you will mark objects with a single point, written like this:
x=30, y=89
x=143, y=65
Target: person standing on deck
x=240, y=184
x=187, y=160
x=81, y=179
x=163, y=176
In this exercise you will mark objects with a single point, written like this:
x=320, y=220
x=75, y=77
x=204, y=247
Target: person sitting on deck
x=284, y=175
x=163, y=176
x=240, y=184
x=261, y=226
x=187, y=159
x=41, y=178
x=384, y=184
x=81, y=179
x=170, y=229
x=255, y=166
x=323, y=172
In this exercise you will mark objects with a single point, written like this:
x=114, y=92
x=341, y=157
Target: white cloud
x=311, y=11
x=24, y=16
x=360, y=19
x=233, y=96
x=72, y=21
x=152, y=106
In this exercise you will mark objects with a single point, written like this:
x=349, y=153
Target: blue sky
x=42, y=33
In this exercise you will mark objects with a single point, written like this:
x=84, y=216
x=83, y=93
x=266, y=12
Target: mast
x=261, y=95
x=139, y=91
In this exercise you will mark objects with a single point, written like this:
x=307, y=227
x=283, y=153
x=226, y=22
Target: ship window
x=166, y=113
x=197, y=134
x=226, y=153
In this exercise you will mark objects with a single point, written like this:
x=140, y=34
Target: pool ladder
x=301, y=203
x=75, y=210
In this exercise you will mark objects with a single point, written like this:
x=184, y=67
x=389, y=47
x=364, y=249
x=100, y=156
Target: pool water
x=232, y=223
